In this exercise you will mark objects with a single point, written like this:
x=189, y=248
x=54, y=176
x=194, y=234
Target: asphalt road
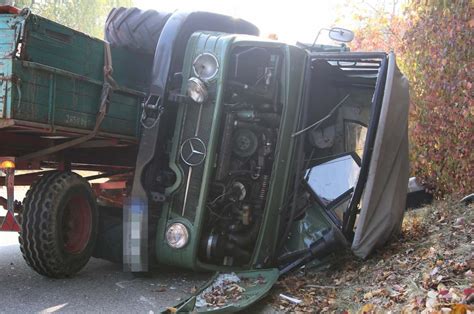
x=100, y=287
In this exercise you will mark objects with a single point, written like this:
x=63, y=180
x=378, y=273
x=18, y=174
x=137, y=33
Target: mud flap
x=229, y=292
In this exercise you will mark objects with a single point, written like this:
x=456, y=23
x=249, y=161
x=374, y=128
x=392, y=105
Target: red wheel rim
x=77, y=224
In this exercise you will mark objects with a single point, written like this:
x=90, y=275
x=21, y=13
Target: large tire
x=135, y=29
x=59, y=224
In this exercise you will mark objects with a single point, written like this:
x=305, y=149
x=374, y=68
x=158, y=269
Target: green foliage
x=87, y=16
x=433, y=41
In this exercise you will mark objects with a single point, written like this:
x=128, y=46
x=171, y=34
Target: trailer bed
x=51, y=79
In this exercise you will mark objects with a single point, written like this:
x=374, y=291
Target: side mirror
x=341, y=34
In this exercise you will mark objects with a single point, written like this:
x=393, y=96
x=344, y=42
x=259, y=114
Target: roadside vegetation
x=433, y=41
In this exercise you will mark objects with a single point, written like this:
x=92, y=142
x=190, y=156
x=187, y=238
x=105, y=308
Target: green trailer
x=67, y=101
x=51, y=80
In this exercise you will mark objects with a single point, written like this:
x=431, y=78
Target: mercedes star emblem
x=193, y=151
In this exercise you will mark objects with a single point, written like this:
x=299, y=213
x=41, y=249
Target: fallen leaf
x=367, y=308
x=460, y=309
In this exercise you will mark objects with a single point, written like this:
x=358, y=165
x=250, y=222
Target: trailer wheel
x=59, y=224
x=135, y=29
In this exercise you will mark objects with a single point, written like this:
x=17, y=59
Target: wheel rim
x=77, y=224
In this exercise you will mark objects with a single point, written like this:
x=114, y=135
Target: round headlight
x=206, y=66
x=177, y=235
x=197, y=90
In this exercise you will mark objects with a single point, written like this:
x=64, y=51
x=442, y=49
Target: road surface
x=100, y=287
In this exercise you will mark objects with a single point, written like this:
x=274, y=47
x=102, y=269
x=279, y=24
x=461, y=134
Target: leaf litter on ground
x=428, y=269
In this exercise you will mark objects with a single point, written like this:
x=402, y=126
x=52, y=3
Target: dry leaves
x=428, y=270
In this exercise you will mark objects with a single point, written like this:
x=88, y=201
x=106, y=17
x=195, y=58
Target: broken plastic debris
x=434, y=271
x=291, y=299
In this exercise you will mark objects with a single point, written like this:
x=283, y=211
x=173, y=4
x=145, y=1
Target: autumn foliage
x=433, y=41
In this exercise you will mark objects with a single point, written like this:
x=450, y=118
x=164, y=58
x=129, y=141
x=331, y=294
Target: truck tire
x=59, y=224
x=135, y=29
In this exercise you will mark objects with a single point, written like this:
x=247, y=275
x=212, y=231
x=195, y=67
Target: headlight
x=197, y=90
x=206, y=66
x=177, y=235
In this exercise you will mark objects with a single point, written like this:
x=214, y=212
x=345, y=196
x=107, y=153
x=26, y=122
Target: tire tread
x=38, y=243
x=135, y=29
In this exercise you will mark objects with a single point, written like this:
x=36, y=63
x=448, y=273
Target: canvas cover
x=383, y=202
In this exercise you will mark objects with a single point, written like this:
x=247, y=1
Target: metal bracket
x=178, y=98
x=158, y=197
x=152, y=110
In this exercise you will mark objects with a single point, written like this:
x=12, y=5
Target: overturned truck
x=218, y=150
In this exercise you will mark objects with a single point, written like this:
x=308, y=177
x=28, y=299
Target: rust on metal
x=24, y=179
x=110, y=192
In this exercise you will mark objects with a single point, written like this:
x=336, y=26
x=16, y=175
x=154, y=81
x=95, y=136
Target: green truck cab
x=223, y=184
x=253, y=158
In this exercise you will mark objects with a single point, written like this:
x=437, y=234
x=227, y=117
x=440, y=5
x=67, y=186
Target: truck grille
x=195, y=126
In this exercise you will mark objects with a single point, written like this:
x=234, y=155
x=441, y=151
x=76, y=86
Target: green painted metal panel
x=53, y=75
x=219, y=44
x=309, y=229
x=292, y=80
x=295, y=63
x=254, y=285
